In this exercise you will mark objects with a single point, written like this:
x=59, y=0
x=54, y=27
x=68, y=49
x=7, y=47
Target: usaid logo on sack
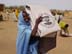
x=48, y=21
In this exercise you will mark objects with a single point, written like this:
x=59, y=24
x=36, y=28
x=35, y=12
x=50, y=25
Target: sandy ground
x=8, y=32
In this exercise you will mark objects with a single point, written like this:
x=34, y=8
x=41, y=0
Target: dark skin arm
x=34, y=31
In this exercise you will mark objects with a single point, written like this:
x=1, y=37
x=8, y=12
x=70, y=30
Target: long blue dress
x=23, y=38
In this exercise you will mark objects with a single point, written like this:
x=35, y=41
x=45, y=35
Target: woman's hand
x=38, y=20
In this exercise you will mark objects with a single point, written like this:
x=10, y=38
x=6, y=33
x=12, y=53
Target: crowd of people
x=9, y=14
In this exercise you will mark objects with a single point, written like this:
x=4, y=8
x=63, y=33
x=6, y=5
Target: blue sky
x=55, y=4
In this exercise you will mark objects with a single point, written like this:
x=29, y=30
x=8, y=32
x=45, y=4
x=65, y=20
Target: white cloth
x=48, y=25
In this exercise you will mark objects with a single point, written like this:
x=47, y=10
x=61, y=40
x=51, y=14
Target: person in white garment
x=13, y=16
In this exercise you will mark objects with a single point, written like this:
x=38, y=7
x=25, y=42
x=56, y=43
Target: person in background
x=61, y=16
x=27, y=41
x=64, y=29
x=13, y=16
x=7, y=15
x=58, y=16
x=1, y=16
x=64, y=26
x=17, y=12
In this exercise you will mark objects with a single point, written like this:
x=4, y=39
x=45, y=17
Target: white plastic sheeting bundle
x=48, y=24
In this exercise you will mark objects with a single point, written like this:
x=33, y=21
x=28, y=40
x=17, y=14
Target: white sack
x=48, y=24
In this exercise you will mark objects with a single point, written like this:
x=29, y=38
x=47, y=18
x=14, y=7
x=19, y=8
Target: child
x=64, y=29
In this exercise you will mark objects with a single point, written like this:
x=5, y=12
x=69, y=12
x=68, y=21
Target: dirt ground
x=8, y=33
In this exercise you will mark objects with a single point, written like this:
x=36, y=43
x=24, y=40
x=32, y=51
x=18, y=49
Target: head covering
x=22, y=22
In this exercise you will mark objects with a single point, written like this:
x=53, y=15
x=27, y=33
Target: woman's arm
x=34, y=31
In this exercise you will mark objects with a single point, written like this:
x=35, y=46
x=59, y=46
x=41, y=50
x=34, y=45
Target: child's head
x=67, y=25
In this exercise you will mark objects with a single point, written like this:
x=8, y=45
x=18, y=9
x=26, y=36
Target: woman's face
x=26, y=16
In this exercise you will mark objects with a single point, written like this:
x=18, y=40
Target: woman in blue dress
x=27, y=42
